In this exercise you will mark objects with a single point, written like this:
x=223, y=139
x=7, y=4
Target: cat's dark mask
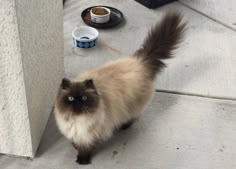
x=77, y=97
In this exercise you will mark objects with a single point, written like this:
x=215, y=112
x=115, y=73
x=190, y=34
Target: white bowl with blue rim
x=85, y=37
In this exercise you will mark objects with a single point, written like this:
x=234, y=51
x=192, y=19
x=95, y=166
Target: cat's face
x=77, y=97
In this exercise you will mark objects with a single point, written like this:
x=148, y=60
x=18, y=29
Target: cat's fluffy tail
x=161, y=41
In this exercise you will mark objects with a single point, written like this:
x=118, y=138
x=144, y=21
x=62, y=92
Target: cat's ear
x=89, y=83
x=65, y=83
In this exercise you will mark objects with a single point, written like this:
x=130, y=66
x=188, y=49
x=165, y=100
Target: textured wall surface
x=41, y=37
x=40, y=26
x=223, y=11
x=31, y=68
x=14, y=122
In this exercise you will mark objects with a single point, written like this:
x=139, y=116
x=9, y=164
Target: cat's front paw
x=83, y=160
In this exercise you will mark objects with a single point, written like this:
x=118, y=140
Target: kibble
x=99, y=11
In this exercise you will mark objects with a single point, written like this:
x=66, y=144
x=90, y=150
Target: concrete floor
x=173, y=133
x=195, y=128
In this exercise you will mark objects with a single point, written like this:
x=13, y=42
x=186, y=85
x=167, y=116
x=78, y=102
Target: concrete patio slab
x=204, y=64
x=221, y=11
x=175, y=132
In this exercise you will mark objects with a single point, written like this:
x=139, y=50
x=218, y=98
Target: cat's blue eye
x=71, y=98
x=84, y=98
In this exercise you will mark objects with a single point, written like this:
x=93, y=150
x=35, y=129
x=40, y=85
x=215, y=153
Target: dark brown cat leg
x=84, y=154
x=84, y=157
x=127, y=125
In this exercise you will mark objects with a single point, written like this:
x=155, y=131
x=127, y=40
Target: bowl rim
x=108, y=10
x=86, y=27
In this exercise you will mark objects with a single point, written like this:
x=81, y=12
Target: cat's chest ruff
x=76, y=129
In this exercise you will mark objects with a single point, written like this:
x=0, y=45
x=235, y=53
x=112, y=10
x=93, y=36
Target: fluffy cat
x=90, y=107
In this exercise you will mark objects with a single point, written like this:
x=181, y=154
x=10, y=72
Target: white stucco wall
x=222, y=11
x=15, y=135
x=31, y=67
x=40, y=26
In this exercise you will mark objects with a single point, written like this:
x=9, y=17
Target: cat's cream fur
x=117, y=92
x=125, y=88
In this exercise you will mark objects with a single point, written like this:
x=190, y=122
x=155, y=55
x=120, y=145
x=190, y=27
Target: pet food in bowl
x=100, y=14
